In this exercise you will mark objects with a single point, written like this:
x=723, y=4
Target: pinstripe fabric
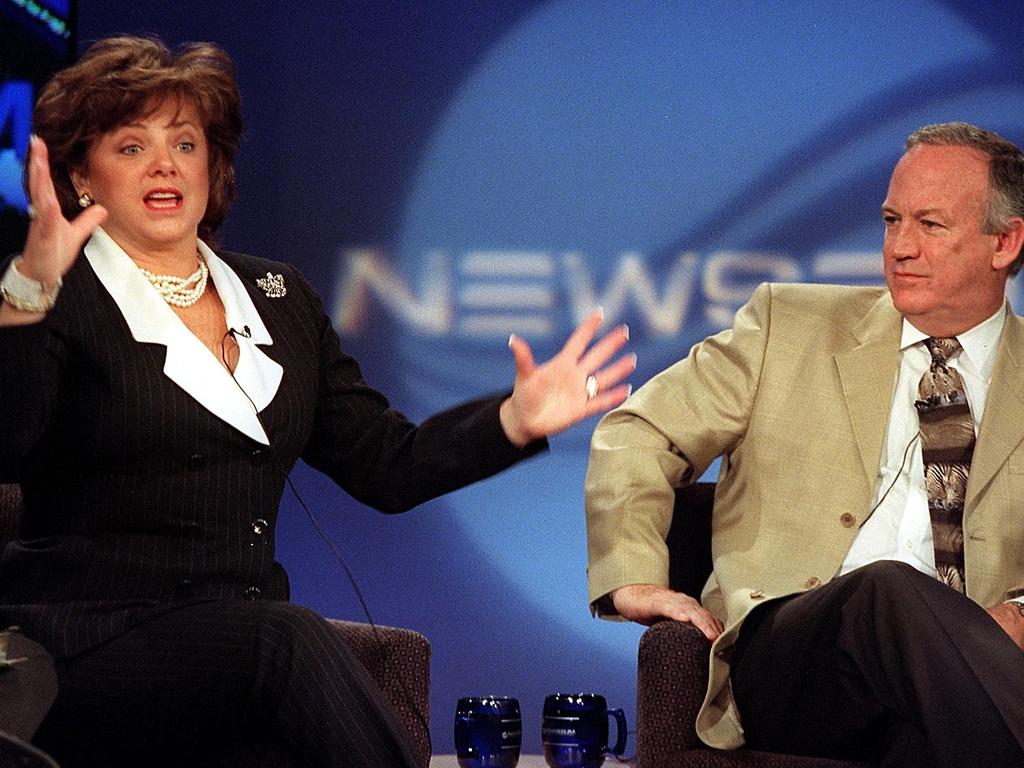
x=140, y=504
x=184, y=688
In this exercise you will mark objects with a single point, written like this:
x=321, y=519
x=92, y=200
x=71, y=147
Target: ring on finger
x=591, y=387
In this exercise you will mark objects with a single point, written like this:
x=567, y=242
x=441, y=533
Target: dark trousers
x=209, y=683
x=883, y=664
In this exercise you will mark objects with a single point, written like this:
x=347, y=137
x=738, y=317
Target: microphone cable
x=897, y=476
x=328, y=541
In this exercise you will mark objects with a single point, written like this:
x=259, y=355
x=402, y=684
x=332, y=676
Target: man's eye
x=930, y=224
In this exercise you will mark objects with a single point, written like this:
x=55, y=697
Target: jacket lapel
x=256, y=373
x=1002, y=427
x=868, y=374
x=188, y=363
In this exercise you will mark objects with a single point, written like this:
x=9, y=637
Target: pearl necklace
x=176, y=290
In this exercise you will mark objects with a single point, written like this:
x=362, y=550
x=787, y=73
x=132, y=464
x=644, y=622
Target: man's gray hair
x=1005, y=171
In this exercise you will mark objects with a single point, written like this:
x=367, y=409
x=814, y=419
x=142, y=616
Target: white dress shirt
x=900, y=527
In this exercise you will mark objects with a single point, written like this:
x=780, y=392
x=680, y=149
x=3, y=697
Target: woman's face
x=152, y=175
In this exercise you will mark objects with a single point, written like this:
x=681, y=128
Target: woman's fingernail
x=511, y=338
x=625, y=331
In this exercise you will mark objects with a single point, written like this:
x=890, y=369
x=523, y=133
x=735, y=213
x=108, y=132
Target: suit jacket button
x=196, y=461
x=847, y=520
x=812, y=582
x=259, y=526
x=252, y=593
x=259, y=456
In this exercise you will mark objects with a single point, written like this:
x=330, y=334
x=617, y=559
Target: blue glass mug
x=488, y=732
x=575, y=730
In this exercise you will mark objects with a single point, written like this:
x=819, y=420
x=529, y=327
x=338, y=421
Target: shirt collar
x=188, y=362
x=978, y=343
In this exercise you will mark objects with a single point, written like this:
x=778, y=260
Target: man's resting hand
x=1009, y=617
x=649, y=603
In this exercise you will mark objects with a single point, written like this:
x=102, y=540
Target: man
x=829, y=406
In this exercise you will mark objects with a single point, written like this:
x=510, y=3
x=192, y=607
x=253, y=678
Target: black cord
x=335, y=552
x=899, y=473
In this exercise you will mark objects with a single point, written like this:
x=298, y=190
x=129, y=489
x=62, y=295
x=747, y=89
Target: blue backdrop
x=448, y=172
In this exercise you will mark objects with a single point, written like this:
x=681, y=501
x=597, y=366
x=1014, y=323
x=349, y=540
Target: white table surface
x=525, y=761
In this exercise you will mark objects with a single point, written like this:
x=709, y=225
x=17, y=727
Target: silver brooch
x=272, y=285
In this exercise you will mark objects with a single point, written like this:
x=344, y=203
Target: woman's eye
x=186, y=146
x=131, y=149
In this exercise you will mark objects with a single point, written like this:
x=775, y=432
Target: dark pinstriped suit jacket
x=138, y=499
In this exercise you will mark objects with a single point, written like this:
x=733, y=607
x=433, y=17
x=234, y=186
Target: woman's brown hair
x=119, y=79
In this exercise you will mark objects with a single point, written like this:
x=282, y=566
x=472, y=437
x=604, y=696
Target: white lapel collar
x=256, y=373
x=189, y=363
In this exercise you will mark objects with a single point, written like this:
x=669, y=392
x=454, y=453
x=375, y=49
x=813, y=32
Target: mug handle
x=620, y=728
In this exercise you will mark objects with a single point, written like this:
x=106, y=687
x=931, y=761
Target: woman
x=155, y=395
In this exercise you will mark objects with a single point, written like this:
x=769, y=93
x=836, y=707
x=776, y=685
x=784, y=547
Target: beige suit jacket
x=796, y=399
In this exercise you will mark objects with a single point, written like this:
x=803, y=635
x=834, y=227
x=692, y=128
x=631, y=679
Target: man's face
x=945, y=275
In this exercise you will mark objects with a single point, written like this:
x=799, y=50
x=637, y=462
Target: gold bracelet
x=25, y=306
x=25, y=294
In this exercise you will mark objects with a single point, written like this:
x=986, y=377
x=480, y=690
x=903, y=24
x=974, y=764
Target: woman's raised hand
x=53, y=242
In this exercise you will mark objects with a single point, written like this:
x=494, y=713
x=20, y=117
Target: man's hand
x=1009, y=617
x=649, y=603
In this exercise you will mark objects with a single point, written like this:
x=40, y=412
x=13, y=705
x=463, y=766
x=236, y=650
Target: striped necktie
x=947, y=444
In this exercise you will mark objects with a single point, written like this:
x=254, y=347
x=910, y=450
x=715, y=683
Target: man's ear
x=1008, y=243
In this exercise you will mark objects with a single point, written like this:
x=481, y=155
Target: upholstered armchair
x=398, y=659
x=672, y=673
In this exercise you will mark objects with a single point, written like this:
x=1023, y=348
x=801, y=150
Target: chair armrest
x=28, y=684
x=399, y=661
x=672, y=677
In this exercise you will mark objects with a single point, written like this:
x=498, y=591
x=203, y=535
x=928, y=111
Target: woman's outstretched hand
x=576, y=383
x=53, y=242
